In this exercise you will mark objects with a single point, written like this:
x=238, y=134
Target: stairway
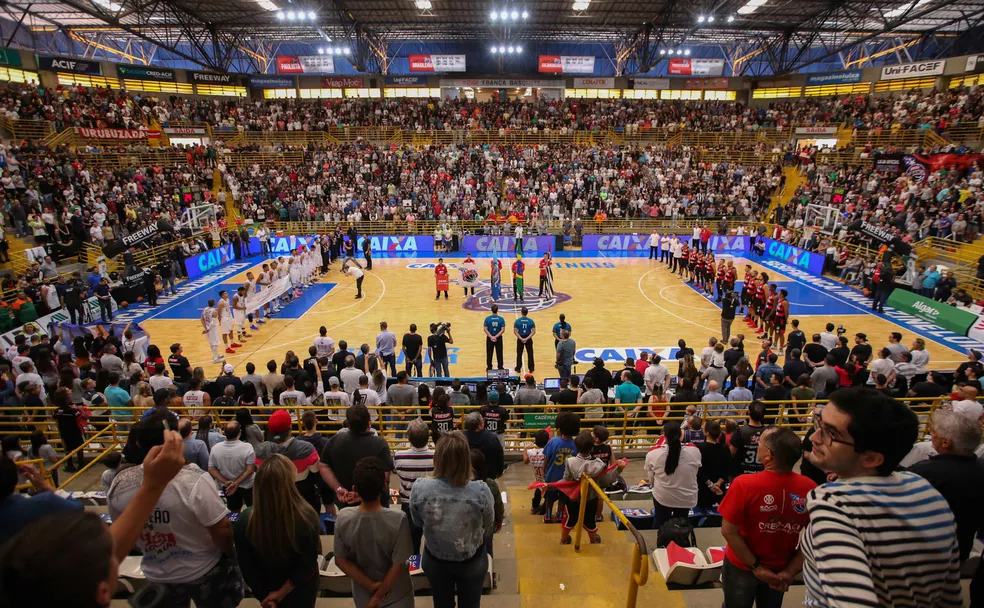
x=793, y=181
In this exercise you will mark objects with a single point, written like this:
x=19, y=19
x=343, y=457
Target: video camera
x=442, y=328
x=841, y=330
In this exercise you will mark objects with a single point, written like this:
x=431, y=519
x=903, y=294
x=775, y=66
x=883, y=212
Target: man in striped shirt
x=876, y=537
x=410, y=465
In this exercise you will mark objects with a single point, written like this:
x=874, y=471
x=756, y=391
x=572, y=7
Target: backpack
x=677, y=530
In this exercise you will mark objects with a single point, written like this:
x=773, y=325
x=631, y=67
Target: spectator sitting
x=967, y=405
x=277, y=539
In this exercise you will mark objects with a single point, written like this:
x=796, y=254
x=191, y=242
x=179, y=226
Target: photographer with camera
x=437, y=349
x=73, y=296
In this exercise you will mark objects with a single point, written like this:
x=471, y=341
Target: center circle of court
x=482, y=301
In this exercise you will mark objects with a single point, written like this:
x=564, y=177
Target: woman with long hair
x=456, y=514
x=672, y=469
x=207, y=433
x=40, y=448
x=251, y=433
x=70, y=421
x=278, y=539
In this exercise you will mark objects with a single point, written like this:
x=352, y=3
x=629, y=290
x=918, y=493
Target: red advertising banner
x=289, y=64
x=342, y=82
x=682, y=66
x=113, y=133
x=566, y=64
x=436, y=63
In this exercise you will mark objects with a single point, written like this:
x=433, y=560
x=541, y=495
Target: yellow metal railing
x=639, y=568
x=390, y=421
x=27, y=129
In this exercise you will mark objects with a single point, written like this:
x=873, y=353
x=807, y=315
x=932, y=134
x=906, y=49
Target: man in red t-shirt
x=544, y=267
x=763, y=514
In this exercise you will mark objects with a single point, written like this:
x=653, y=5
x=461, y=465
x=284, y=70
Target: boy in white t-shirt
x=534, y=457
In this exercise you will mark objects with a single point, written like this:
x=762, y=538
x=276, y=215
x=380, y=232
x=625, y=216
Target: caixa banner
x=640, y=242
x=204, y=263
x=507, y=244
x=284, y=245
x=794, y=256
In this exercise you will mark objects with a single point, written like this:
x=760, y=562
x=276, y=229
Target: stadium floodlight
x=312, y=15
x=346, y=51
x=321, y=50
x=281, y=16
x=662, y=51
x=701, y=19
x=514, y=15
x=581, y=5
x=710, y=18
x=502, y=49
x=731, y=18
x=687, y=52
x=424, y=5
x=493, y=15
x=511, y=50
x=526, y=14
x=290, y=15
x=519, y=50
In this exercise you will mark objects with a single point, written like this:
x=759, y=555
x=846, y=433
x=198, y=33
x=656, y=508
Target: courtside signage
x=380, y=243
x=944, y=315
x=794, y=256
x=204, y=263
x=503, y=244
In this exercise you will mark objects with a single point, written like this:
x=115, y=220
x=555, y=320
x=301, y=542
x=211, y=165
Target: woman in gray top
x=456, y=513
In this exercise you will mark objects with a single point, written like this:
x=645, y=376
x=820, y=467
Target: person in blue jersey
x=560, y=326
x=524, y=329
x=494, y=327
x=876, y=537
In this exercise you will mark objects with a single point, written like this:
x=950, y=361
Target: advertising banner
x=112, y=133
x=10, y=57
x=640, y=242
x=913, y=70
x=974, y=63
x=256, y=300
x=890, y=163
x=537, y=245
x=272, y=82
x=594, y=83
x=943, y=315
x=67, y=64
x=305, y=64
x=211, y=78
x=566, y=64
x=502, y=83
x=185, y=130
x=976, y=330
x=90, y=309
x=684, y=66
x=342, y=82
x=405, y=81
x=436, y=63
x=651, y=84
x=849, y=77
x=282, y=245
x=815, y=131
x=204, y=263
x=705, y=83
x=794, y=256
x=145, y=72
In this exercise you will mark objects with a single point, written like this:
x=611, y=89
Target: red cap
x=279, y=422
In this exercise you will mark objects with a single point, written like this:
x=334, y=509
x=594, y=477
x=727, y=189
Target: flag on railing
x=572, y=488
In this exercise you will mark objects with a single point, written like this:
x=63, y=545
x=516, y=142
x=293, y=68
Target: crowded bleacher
x=261, y=461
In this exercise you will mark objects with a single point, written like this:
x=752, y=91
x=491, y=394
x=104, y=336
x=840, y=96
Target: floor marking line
x=639, y=285
x=713, y=309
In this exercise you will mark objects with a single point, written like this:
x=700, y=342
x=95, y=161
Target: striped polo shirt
x=880, y=541
x=411, y=465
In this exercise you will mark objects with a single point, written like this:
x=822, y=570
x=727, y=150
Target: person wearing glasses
x=876, y=537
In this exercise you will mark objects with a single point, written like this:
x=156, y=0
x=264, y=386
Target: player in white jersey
x=210, y=325
x=295, y=275
x=251, y=289
x=239, y=313
x=263, y=280
x=226, y=322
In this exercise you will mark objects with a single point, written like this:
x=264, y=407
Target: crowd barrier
x=628, y=432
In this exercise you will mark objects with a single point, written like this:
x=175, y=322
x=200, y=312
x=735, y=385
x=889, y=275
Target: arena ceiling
x=207, y=25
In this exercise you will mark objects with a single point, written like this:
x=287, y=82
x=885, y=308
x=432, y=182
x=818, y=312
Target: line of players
x=225, y=322
x=767, y=306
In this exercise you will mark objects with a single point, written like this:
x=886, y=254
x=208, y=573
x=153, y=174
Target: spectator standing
x=529, y=394
x=413, y=351
x=566, y=350
x=411, y=465
x=277, y=539
x=761, y=557
x=300, y=453
x=386, y=347
x=672, y=469
x=195, y=450
x=232, y=464
x=437, y=350
x=875, y=537
x=744, y=441
x=485, y=442
x=372, y=543
x=496, y=417
x=456, y=514
x=187, y=542
x=494, y=327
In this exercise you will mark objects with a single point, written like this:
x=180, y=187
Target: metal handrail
x=639, y=572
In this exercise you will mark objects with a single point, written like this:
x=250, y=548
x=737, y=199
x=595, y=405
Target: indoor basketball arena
x=424, y=302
